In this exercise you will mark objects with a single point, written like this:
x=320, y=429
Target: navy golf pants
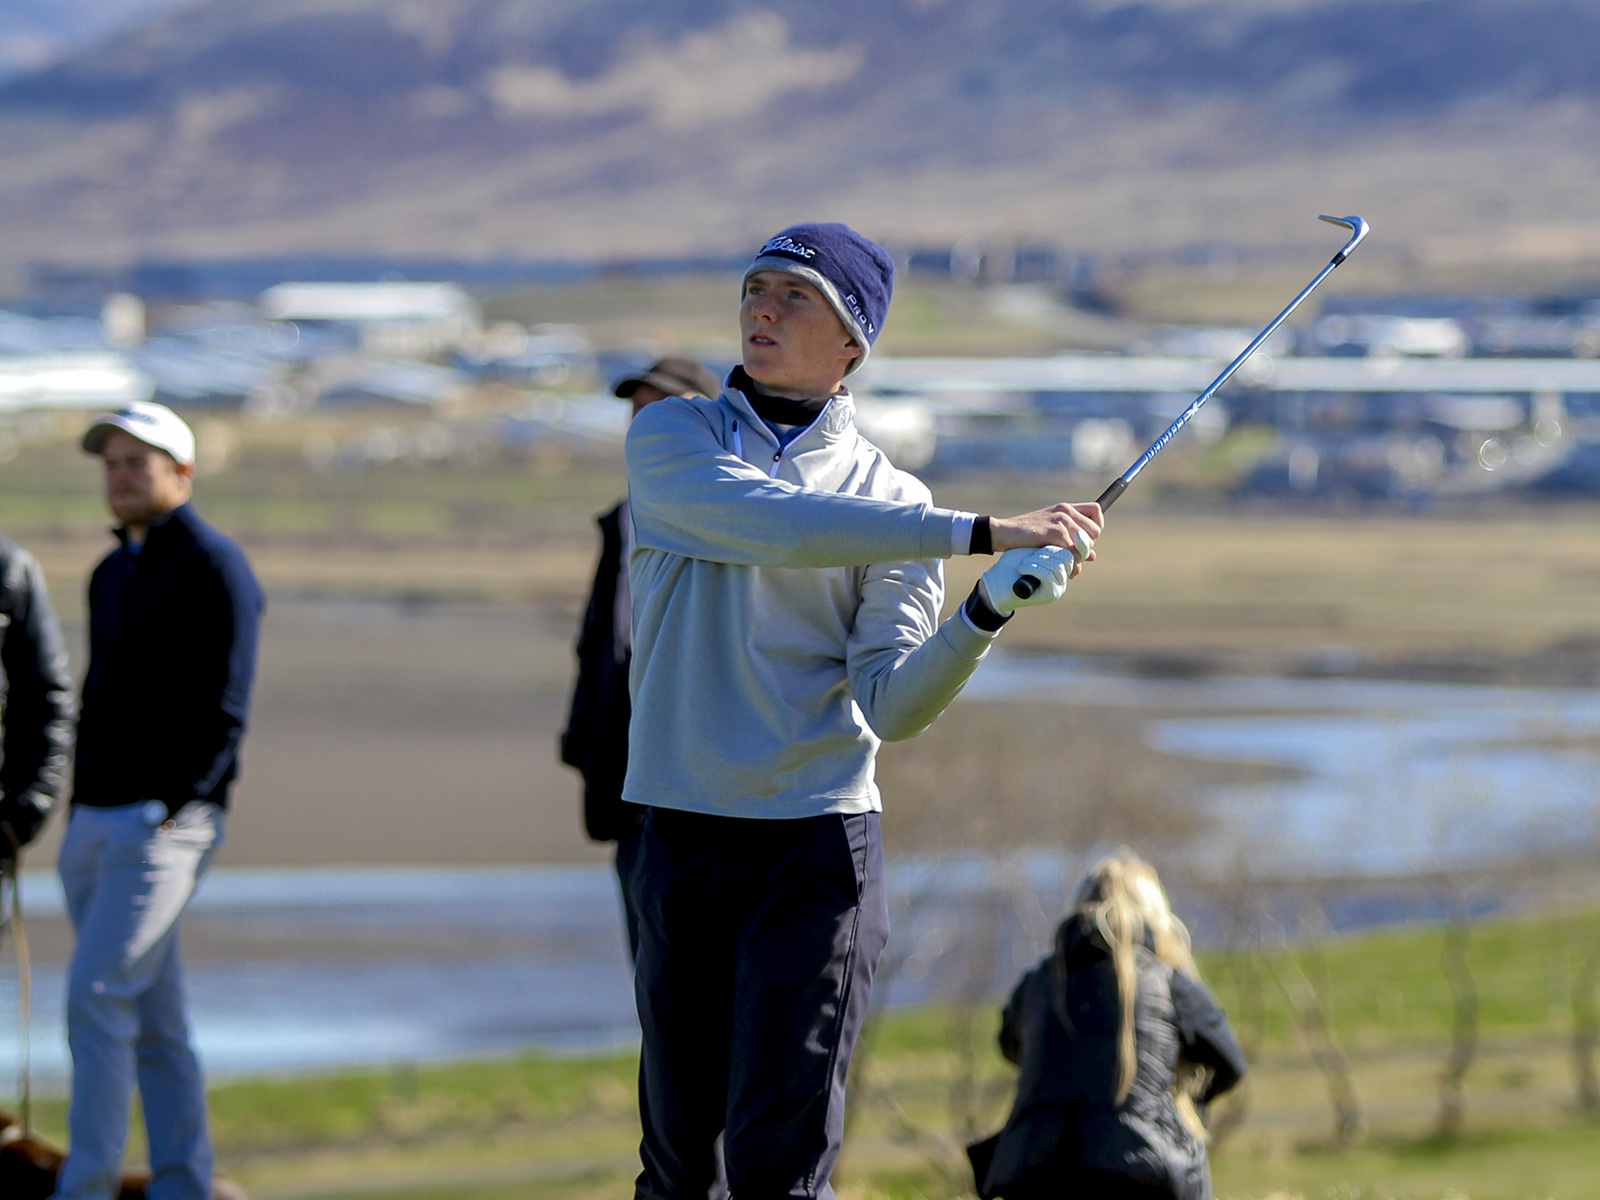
x=757, y=944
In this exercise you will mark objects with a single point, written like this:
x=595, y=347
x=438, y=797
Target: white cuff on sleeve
x=961, y=533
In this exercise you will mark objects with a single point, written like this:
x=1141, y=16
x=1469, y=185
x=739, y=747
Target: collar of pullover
x=179, y=515
x=778, y=410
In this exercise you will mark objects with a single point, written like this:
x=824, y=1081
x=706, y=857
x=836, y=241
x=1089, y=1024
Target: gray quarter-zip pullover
x=785, y=611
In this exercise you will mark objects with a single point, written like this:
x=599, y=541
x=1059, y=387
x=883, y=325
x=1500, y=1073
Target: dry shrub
x=1001, y=775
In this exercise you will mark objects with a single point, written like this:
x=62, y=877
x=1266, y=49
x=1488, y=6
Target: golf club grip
x=1109, y=496
x=1028, y=585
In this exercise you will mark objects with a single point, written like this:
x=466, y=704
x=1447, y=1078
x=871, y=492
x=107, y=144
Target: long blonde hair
x=1124, y=898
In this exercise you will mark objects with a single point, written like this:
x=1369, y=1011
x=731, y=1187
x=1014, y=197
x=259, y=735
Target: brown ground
x=382, y=732
x=417, y=650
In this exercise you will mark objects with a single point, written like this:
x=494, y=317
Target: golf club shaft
x=1027, y=585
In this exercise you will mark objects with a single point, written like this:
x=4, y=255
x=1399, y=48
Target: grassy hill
x=1463, y=129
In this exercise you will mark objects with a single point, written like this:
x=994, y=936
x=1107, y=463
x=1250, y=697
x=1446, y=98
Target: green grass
x=1388, y=987
x=411, y=1102
x=1561, y=1160
x=565, y=1127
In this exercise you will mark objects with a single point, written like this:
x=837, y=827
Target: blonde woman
x=1118, y=1042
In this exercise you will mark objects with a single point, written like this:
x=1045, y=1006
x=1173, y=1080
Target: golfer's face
x=141, y=481
x=792, y=337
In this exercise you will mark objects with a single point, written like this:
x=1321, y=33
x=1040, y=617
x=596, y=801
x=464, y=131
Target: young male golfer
x=173, y=615
x=786, y=592
x=35, y=701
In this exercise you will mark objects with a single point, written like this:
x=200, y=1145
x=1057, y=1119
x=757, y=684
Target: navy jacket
x=1061, y=1028
x=35, y=696
x=596, y=737
x=172, y=655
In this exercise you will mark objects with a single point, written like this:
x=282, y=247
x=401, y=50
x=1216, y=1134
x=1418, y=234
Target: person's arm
x=901, y=677
x=1010, y=1037
x=903, y=671
x=226, y=657
x=1204, y=1035
x=577, y=738
x=38, y=709
x=689, y=496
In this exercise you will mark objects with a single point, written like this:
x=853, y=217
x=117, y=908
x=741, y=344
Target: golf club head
x=1358, y=230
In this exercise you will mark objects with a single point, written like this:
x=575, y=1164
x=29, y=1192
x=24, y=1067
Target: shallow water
x=303, y=968
x=1394, y=777
x=311, y=967
x=322, y=966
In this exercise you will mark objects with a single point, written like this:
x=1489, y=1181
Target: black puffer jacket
x=1066, y=1119
x=35, y=698
x=596, y=737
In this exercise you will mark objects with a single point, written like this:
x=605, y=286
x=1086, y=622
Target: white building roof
x=68, y=380
x=364, y=302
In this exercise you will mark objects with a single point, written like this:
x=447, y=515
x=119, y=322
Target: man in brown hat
x=596, y=738
x=667, y=377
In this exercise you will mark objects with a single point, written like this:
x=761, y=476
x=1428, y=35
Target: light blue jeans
x=128, y=875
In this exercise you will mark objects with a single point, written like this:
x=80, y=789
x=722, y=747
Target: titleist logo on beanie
x=854, y=273
x=787, y=245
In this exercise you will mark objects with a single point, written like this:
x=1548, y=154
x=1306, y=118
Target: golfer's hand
x=1050, y=567
x=1066, y=525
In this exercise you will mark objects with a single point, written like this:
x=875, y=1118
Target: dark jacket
x=596, y=737
x=172, y=655
x=35, y=698
x=1066, y=1119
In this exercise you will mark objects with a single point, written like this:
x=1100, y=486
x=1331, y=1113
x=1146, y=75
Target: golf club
x=1358, y=228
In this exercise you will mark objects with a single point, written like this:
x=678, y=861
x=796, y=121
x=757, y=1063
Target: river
x=318, y=967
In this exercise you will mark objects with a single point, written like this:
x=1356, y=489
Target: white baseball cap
x=153, y=424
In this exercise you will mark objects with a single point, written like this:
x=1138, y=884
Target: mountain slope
x=620, y=127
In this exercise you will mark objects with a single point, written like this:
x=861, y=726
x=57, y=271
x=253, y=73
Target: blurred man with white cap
x=173, y=618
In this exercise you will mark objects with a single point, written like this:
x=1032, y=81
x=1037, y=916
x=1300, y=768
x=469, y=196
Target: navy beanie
x=855, y=274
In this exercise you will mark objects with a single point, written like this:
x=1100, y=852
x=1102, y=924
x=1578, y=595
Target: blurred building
x=82, y=379
x=401, y=320
x=1380, y=335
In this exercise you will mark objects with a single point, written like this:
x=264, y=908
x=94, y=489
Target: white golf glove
x=1050, y=565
